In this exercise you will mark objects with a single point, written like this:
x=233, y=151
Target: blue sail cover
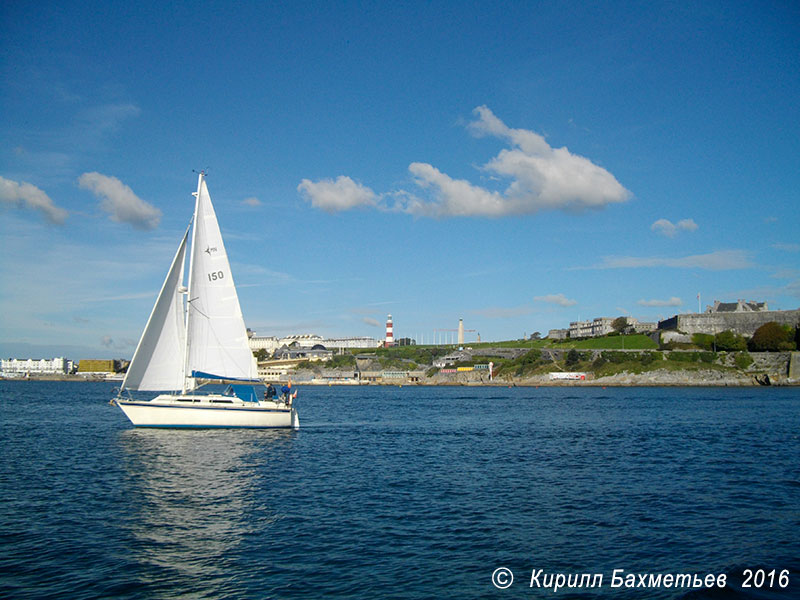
x=203, y=375
x=245, y=392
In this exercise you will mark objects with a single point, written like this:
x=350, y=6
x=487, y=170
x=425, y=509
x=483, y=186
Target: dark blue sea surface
x=412, y=492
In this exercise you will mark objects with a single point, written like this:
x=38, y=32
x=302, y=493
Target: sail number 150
x=216, y=276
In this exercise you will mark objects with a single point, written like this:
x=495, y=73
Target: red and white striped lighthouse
x=389, y=332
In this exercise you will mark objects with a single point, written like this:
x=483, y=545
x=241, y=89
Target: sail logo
x=211, y=249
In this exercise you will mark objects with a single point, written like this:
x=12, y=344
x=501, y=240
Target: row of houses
x=598, y=327
x=309, y=341
x=21, y=367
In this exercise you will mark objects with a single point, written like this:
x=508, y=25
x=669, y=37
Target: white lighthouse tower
x=389, y=333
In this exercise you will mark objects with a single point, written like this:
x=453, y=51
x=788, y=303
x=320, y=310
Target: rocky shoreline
x=657, y=378
x=664, y=378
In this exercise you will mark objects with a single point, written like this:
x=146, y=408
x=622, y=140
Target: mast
x=196, y=195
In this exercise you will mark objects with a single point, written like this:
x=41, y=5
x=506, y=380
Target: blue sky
x=519, y=165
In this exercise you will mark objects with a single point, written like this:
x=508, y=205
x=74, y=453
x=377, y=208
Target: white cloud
x=119, y=201
x=341, y=194
x=670, y=229
x=558, y=299
x=787, y=247
x=721, y=260
x=674, y=301
x=665, y=227
x=27, y=195
x=545, y=178
x=371, y=322
x=455, y=197
x=541, y=178
x=251, y=201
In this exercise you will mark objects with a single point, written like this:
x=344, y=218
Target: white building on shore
x=20, y=367
x=597, y=327
x=351, y=342
x=309, y=340
x=270, y=343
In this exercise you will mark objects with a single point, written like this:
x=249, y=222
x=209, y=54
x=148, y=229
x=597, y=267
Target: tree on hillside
x=703, y=340
x=728, y=341
x=772, y=337
x=573, y=358
x=620, y=324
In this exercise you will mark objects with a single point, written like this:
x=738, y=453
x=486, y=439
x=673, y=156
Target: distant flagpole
x=698, y=303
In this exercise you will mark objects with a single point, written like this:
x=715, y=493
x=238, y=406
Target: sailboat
x=196, y=335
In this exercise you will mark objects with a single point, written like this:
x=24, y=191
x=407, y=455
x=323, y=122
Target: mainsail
x=217, y=345
x=157, y=363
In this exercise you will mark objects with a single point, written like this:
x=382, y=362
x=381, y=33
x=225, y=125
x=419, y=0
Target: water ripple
x=397, y=492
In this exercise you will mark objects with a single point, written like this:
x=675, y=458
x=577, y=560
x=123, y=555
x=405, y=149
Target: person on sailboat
x=286, y=390
x=270, y=393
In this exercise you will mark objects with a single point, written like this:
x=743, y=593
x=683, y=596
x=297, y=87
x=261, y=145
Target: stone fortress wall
x=744, y=323
x=740, y=317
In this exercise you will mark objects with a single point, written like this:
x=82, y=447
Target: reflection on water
x=191, y=499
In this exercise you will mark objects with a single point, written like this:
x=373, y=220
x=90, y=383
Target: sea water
x=412, y=492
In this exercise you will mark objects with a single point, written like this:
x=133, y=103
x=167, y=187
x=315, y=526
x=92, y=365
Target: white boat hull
x=207, y=411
